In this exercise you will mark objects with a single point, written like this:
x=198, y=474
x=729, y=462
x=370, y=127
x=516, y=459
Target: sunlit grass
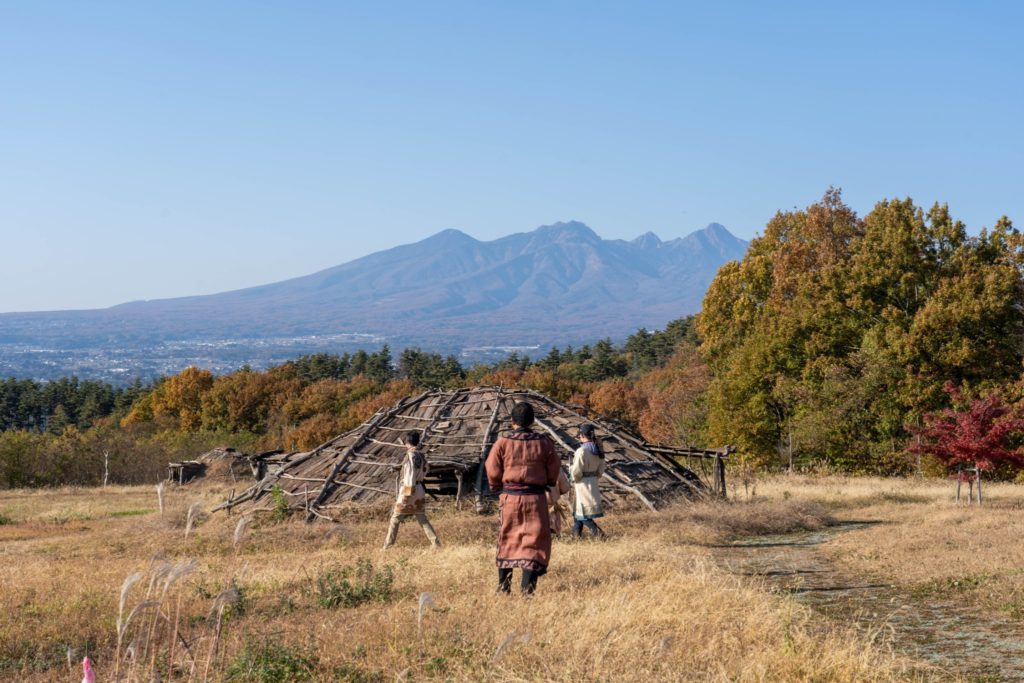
x=262, y=597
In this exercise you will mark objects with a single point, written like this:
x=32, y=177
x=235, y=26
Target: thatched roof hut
x=459, y=428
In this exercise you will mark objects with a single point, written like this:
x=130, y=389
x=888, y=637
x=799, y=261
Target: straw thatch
x=459, y=427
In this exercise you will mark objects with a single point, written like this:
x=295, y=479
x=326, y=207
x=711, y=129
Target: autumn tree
x=676, y=400
x=619, y=399
x=245, y=400
x=331, y=397
x=180, y=397
x=977, y=434
x=765, y=317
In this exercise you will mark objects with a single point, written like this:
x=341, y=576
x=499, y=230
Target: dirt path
x=953, y=637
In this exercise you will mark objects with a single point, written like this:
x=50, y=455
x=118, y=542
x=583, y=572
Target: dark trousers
x=577, y=528
x=528, y=582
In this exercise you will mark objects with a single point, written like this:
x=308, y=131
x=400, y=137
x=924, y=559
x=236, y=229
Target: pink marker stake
x=89, y=676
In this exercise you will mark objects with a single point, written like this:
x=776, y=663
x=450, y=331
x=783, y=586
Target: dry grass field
x=924, y=541
x=288, y=601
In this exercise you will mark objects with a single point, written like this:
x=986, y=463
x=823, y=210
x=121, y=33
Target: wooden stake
x=978, y=469
x=499, y=400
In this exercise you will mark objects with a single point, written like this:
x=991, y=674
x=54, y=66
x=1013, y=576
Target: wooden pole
x=719, y=483
x=499, y=400
x=978, y=469
x=632, y=489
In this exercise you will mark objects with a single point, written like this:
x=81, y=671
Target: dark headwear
x=587, y=430
x=412, y=438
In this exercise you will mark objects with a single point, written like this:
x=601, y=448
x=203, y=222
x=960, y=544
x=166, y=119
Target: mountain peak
x=647, y=240
x=718, y=230
x=718, y=234
x=713, y=238
x=566, y=231
x=450, y=238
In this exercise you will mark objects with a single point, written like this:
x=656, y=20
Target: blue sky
x=165, y=149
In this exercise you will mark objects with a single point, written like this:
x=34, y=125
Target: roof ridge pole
x=499, y=400
x=343, y=458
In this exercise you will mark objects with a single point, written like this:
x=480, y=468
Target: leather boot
x=504, y=581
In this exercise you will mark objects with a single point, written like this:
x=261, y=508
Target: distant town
x=121, y=366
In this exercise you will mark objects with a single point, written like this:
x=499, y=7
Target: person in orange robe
x=523, y=467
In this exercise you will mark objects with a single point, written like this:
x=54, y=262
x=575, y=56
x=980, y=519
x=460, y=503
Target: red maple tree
x=975, y=436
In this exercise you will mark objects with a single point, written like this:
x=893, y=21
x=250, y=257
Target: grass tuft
x=271, y=662
x=353, y=586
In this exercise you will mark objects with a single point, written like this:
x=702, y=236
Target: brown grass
x=644, y=605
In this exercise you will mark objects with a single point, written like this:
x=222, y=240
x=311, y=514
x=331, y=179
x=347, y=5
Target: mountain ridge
x=559, y=283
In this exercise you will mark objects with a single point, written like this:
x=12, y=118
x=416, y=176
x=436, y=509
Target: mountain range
x=558, y=284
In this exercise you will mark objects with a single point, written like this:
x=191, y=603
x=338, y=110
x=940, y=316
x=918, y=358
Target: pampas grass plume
x=193, y=512
x=239, y=532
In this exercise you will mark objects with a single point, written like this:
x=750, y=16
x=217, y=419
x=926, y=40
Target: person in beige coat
x=586, y=471
x=411, y=500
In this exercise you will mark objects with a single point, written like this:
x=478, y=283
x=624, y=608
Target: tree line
x=61, y=432
x=834, y=337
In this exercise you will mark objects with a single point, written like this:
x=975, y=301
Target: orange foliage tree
x=620, y=399
x=181, y=397
x=245, y=400
x=324, y=410
x=676, y=411
x=556, y=383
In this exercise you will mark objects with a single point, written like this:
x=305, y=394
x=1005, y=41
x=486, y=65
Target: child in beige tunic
x=411, y=494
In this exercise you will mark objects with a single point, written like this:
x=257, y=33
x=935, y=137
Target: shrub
x=351, y=587
x=280, y=504
x=270, y=662
x=352, y=673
